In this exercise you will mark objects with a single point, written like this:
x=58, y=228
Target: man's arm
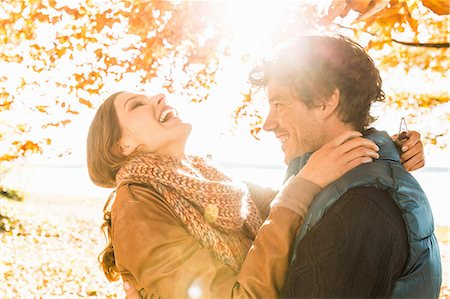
x=357, y=250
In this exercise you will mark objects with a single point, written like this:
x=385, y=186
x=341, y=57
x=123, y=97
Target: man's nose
x=269, y=123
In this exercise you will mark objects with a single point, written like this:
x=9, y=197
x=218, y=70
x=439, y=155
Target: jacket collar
x=388, y=151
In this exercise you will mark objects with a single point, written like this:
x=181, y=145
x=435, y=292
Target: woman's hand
x=132, y=292
x=411, y=155
x=337, y=157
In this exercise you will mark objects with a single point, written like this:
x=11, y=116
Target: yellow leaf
x=336, y=9
x=371, y=9
x=6, y=105
x=440, y=7
x=42, y=108
x=8, y=157
x=85, y=102
x=63, y=122
x=72, y=111
x=22, y=128
x=29, y=146
x=360, y=6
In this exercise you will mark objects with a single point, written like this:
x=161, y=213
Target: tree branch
x=410, y=44
x=425, y=45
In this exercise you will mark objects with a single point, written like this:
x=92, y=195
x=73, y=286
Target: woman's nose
x=159, y=99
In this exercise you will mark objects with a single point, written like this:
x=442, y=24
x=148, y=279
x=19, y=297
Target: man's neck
x=334, y=128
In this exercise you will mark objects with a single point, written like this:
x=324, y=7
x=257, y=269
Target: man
x=369, y=234
x=355, y=241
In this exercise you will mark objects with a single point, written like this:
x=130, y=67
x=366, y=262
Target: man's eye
x=277, y=106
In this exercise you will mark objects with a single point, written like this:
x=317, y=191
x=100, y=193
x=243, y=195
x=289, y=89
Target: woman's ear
x=126, y=149
x=330, y=105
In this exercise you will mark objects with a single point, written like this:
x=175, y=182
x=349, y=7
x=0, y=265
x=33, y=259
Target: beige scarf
x=213, y=207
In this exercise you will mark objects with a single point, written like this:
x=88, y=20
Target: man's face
x=293, y=123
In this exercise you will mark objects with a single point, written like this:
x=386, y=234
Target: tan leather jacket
x=161, y=259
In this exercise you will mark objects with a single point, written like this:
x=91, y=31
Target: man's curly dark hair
x=314, y=66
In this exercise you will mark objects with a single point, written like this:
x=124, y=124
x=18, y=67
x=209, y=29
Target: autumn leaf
x=72, y=111
x=255, y=132
x=362, y=6
x=6, y=105
x=98, y=53
x=42, y=108
x=440, y=7
x=85, y=102
x=22, y=128
x=101, y=21
x=8, y=157
x=373, y=8
x=57, y=124
x=25, y=147
x=71, y=11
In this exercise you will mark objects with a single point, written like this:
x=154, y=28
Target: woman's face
x=150, y=124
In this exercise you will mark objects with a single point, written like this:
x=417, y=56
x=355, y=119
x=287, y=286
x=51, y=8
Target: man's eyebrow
x=129, y=99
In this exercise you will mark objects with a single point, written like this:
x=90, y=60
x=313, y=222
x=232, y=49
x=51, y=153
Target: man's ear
x=330, y=105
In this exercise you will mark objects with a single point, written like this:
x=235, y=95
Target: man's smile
x=282, y=137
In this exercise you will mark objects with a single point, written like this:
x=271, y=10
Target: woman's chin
x=187, y=130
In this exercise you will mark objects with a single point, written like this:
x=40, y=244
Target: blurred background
x=60, y=59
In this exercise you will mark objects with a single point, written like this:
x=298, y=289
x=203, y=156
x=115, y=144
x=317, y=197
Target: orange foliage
x=57, y=124
x=6, y=105
x=440, y=7
x=91, y=43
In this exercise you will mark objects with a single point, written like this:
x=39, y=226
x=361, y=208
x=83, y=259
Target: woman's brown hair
x=103, y=162
x=103, y=159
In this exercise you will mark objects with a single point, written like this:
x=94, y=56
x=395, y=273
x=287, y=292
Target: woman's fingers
x=411, y=155
x=416, y=162
x=414, y=151
x=337, y=157
x=356, y=162
x=131, y=291
x=360, y=152
x=342, y=138
x=357, y=142
x=414, y=139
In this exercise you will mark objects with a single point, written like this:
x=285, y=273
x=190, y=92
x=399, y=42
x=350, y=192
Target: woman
x=179, y=227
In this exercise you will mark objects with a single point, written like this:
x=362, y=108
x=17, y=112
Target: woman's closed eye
x=136, y=104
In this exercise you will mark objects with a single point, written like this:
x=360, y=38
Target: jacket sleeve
x=262, y=198
x=153, y=250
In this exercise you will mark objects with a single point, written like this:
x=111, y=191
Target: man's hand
x=132, y=292
x=411, y=156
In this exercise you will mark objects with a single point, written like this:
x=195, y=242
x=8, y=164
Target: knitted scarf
x=213, y=207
